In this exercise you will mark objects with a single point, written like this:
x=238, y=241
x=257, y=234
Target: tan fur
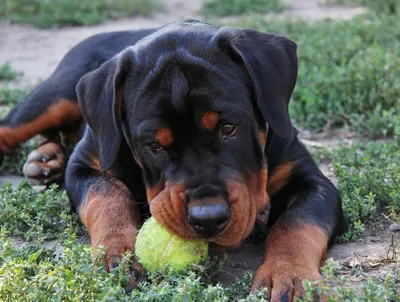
x=61, y=113
x=210, y=120
x=279, y=177
x=293, y=253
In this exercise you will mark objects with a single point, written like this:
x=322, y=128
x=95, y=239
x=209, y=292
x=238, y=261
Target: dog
x=188, y=121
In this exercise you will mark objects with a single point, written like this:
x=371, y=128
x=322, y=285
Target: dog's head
x=195, y=102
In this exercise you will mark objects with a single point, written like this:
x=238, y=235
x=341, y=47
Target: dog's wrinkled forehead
x=181, y=69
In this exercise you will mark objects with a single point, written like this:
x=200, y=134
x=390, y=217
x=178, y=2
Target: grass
x=349, y=76
x=32, y=215
x=46, y=13
x=369, y=182
x=7, y=73
x=33, y=273
x=237, y=7
x=349, y=72
x=391, y=7
x=10, y=96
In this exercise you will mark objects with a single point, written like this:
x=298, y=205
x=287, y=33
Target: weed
x=7, y=73
x=391, y=7
x=11, y=96
x=14, y=162
x=237, y=7
x=349, y=72
x=369, y=181
x=44, y=13
x=373, y=289
x=30, y=214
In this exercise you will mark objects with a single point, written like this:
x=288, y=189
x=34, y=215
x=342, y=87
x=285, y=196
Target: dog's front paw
x=283, y=280
x=116, y=248
x=45, y=165
x=136, y=271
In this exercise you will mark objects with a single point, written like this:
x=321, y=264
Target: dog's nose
x=209, y=219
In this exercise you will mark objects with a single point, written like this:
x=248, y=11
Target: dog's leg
x=297, y=243
x=41, y=112
x=106, y=206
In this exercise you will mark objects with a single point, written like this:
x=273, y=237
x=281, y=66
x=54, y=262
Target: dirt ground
x=36, y=53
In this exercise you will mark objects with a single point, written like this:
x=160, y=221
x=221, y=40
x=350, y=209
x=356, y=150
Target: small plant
x=32, y=215
x=369, y=181
x=349, y=72
x=237, y=7
x=11, y=96
x=44, y=13
x=335, y=289
x=14, y=162
x=391, y=7
x=7, y=73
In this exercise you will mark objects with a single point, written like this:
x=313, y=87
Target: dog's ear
x=271, y=63
x=100, y=94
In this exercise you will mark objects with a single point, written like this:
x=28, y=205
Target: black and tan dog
x=191, y=120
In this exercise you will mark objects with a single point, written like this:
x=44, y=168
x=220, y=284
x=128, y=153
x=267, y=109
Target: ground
x=36, y=53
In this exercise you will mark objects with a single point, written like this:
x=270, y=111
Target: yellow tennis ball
x=156, y=248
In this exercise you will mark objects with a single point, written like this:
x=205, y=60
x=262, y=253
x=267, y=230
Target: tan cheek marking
x=210, y=120
x=164, y=137
x=169, y=209
x=279, y=177
x=262, y=138
x=58, y=114
x=247, y=200
x=152, y=192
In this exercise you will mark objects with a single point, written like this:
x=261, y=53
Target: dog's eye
x=155, y=147
x=228, y=130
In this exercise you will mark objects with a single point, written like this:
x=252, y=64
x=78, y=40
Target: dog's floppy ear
x=271, y=63
x=100, y=95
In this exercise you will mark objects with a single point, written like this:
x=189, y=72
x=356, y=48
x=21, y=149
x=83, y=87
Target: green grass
x=13, y=162
x=32, y=215
x=11, y=96
x=349, y=72
x=349, y=75
x=47, y=13
x=33, y=273
x=237, y=7
x=369, y=182
x=7, y=73
x=380, y=6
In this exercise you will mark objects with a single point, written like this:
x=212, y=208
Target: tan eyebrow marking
x=164, y=137
x=210, y=120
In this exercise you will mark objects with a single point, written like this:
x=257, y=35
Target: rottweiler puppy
x=190, y=122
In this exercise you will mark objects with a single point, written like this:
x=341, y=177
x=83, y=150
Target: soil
x=36, y=53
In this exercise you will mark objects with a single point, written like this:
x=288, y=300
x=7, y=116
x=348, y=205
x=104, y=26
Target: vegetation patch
x=237, y=7
x=349, y=72
x=33, y=273
x=369, y=181
x=45, y=13
x=35, y=215
x=391, y=7
x=11, y=96
x=7, y=73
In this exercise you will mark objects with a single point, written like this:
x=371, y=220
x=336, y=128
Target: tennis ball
x=156, y=248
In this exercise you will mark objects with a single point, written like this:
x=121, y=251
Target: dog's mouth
x=223, y=221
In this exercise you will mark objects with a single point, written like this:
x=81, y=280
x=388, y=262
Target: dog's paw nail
x=34, y=156
x=137, y=276
x=45, y=159
x=31, y=170
x=46, y=173
x=129, y=288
